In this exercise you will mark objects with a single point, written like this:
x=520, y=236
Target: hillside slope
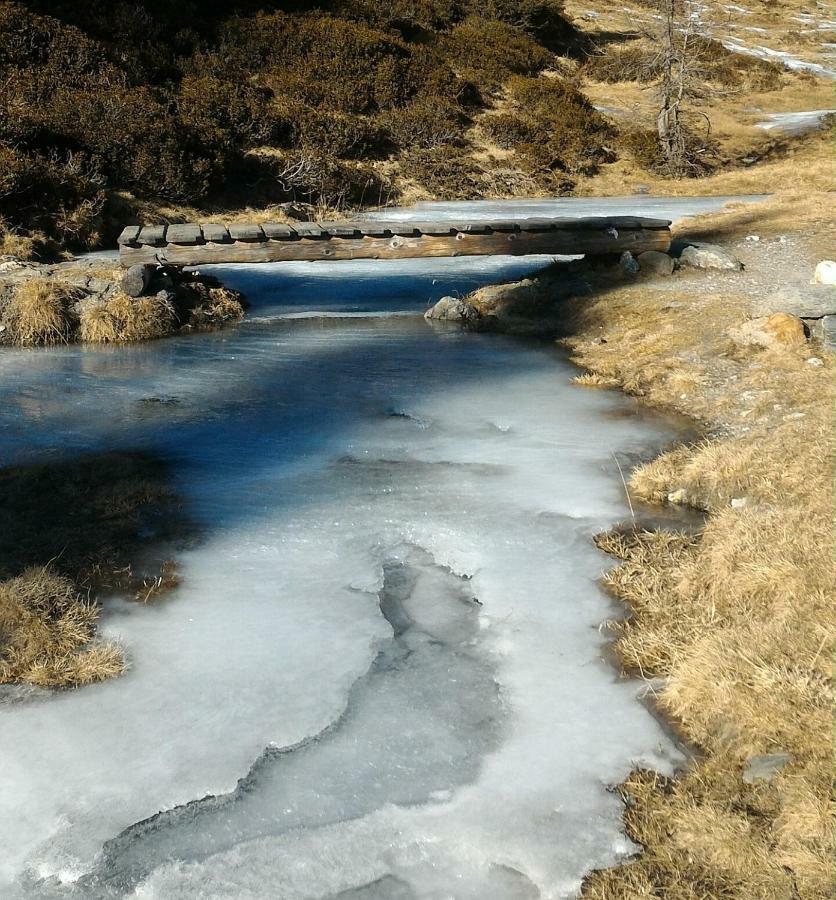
x=114, y=112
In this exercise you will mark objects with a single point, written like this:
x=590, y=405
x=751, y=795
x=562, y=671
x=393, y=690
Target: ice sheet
x=321, y=455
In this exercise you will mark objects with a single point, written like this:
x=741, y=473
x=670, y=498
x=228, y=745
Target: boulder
x=811, y=301
x=652, y=262
x=451, y=309
x=629, y=264
x=709, y=256
x=774, y=332
x=825, y=272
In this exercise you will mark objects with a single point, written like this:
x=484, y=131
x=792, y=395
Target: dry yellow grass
x=39, y=312
x=16, y=245
x=121, y=319
x=738, y=620
x=47, y=633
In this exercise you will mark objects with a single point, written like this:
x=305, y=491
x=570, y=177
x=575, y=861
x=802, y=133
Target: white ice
x=795, y=123
x=316, y=452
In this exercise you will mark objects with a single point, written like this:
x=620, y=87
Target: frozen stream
x=382, y=675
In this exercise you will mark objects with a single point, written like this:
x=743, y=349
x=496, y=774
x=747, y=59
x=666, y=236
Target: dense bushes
x=554, y=128
x=200, y=104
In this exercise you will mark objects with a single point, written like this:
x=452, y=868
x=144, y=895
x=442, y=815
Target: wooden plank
x=279, y=232
x=503, y=226
x=246, y=233
x=129, y=235
x=474, y=228
x=552, y=242
x=215, y=232
x=434, y=228
x=310, y=230
x=391, y=229
x=184, y=234
x=342, y=229
x=152, y=235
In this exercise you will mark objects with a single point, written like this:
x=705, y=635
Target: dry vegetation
x=738, y=620
x=70, y=532
x=112, y=113
x=43, y=311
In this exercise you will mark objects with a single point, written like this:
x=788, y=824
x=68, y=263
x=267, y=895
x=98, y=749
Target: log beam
x=340, y=241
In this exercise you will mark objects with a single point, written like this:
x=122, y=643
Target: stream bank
x=734, y=626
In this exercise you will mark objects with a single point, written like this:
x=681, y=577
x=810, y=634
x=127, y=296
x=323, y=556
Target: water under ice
x=389, y=631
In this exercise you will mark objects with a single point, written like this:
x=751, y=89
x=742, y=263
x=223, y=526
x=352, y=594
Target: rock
x=828, y=332
x=88, y=303
x=774, y=332
x=825, y=272
x=629, y=264
x=753, y=238
x=677, y=496
x=815, y=361
x=301, y=212
x=807, y=302
x=766, y=767
x=738, y=502
x=98, y=285
x=451, y=309
x=709, y=256
x=652, y=262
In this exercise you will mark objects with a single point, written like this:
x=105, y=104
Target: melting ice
x=382, y=675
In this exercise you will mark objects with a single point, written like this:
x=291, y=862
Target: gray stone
x=809, y=301
x=764, y=768
x=451, y=309
x=652, y=262
x=98, y=285
x=88, y=303
x=709, y=256
x=828, y=325
x=629, y=264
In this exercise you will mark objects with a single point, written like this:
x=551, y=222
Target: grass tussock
x=39, y=313
x=47, y=634
x=121, y=319
x=592, y=380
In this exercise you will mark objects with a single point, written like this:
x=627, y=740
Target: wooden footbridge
x=196, y=245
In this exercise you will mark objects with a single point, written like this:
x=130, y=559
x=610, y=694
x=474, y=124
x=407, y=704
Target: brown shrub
x=554, y=128
x=630, y=63
x=489, y=52
x=39, y=312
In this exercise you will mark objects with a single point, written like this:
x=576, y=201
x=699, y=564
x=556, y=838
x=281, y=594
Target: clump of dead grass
x=47, y=633
x=215, y=306
x=594, y=380
x=39, y=312
x=121, y=319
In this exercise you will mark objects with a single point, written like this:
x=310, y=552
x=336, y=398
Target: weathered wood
x=279, y=232
x=342, y=229
x=184, y=234
x=152, y=235
x=310, y=230
x=216, y=233
x=129, y=235
x=562, y=241
x=136, y=280
x=246, y=233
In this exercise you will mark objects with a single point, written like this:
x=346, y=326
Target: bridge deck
x=193, y=245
